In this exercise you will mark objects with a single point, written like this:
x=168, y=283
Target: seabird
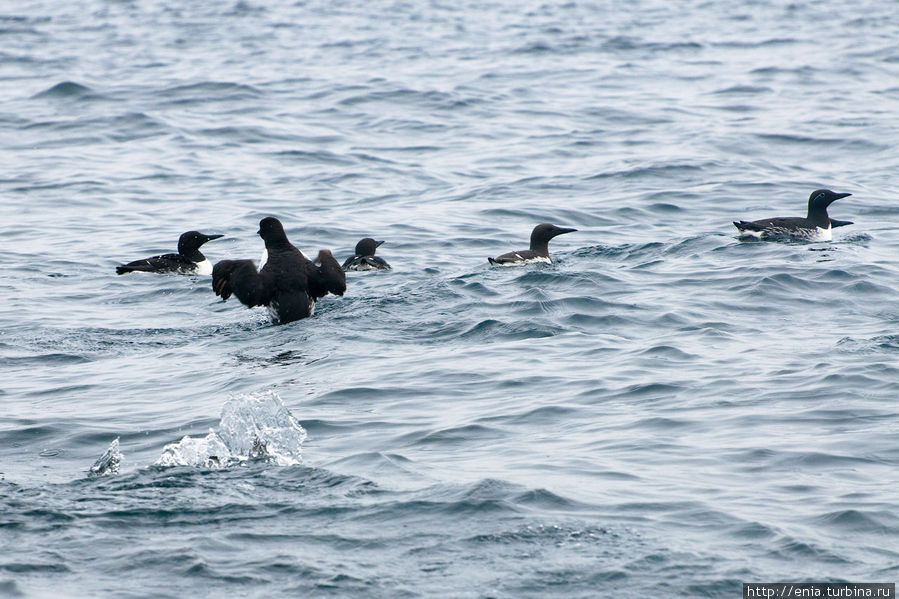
x=364, y=257
x=816, y=226
x=288, y=284
x=539, y=250
x=189, y=259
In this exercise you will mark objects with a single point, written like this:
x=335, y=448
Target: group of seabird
x=289, y=284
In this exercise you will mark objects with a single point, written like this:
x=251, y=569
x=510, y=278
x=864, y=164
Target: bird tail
x=745, y=225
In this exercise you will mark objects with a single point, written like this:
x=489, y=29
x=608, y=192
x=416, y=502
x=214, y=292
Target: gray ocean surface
x=666, y=411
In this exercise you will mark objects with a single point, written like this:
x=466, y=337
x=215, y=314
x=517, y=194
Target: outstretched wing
x=326, y=276
x=240, y=277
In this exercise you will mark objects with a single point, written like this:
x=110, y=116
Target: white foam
x=272, y=309
x=109, y=462
x=208, y=451
x=256, y=426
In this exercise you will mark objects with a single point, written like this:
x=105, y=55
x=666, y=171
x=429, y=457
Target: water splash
x=252, y=427
x=109, y=462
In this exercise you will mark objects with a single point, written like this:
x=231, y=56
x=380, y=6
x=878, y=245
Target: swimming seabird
x=189, y=259
x=539, y=250
x=816, y=226
x=364, y=257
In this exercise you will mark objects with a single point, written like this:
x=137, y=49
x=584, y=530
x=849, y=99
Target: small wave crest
x=109, y=462
x=252, y=427
x=66, y=89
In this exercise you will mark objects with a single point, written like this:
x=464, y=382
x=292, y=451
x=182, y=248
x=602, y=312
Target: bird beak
x=841, y=195
x=378, y=244
x=562, y=231
x=211, y=237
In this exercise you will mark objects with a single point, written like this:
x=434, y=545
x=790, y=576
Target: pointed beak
x=211, y=237
x=838, y=196
x=378, y=244
x=562, y=231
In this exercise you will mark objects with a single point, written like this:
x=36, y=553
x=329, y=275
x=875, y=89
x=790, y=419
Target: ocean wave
x=69, y=89
x=254, y=427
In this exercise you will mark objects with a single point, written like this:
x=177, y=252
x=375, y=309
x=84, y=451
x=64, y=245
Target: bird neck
x=278, y=243
x=819, y=217
x=540, y=246
x=193, y=255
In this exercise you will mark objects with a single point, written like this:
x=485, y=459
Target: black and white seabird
x=539, y=250
x=364, y=257
x=816, y=226
x=288, y=284
x=189, y=259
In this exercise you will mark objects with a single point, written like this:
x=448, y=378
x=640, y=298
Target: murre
x=816, y=226
x=189, y=259
x=539, y=250
x=289, y=284
x=364, y=257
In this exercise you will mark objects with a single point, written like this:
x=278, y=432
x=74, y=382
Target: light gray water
x=665, y=411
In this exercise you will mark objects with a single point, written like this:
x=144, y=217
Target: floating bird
x=364, y=258
x=539, y=250
x=189, y=259
x=289, y=284
x=816, y=226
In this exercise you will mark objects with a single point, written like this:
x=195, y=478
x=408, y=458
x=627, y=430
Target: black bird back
x=288, y=284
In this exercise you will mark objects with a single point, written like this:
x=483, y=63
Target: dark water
x=665, y=411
